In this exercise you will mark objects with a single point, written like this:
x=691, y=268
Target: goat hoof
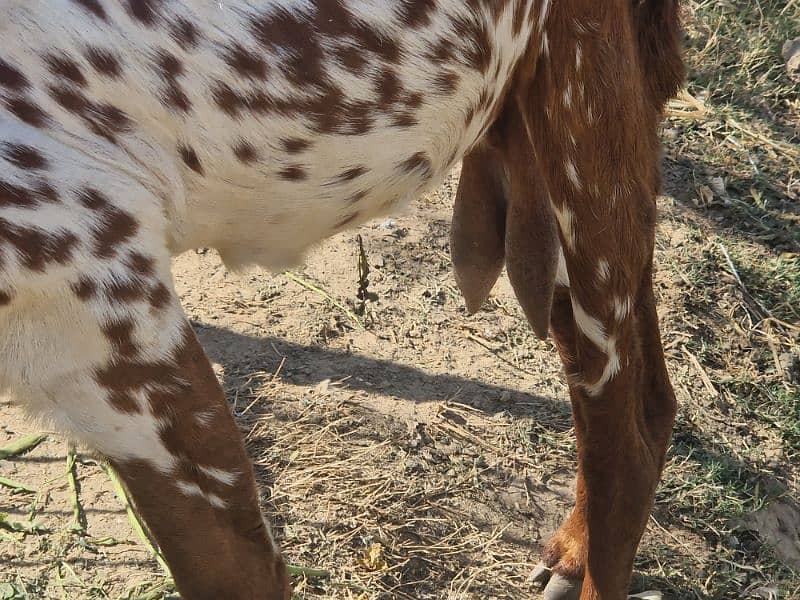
x=556, y=587
x=563, y=588
x=648, y=595
x=540, y=575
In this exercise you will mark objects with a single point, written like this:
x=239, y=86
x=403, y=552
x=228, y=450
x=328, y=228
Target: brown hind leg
x=204, y=514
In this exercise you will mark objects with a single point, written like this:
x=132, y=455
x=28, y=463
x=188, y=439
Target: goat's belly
x=277, y=233
x=338, y=182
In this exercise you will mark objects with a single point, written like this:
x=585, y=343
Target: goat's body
x=320, y=156
x=133, y=130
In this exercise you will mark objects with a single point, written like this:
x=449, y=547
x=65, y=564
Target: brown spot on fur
x=92, y=199
x=175, y=97
x=295, y=145
x=27, y=112
x=227, y=99
x=120, y=334
x=113, y=226
x=389, y=88
x=170, y=69
x=85, y=289
x=104, y=119
x=104, y=62
x=5, y=298
x=415, y=13
x=124, y=403
x=159, y=296
x=141, y=265
x=293, y=173
x=443, y=51
x=284, y=30
x=15, y=195
x=446, y=82
x=189, y=157
x=144, y=11
x=93, y=6
x=125, y=376
x=36, y=248
x=404, y=120
x=351, y=58
x=245, y=62
x=69, y=99
x=107, y=119
x=168, y=65
x=350, y=174
x=185, y=33
x=418, y=162
x=24, y=157
x=414, y=100
x=478, y=54
x=245, y=152
x=66, y=68
x=12, y=78
x=24, y=197
x=125, y=292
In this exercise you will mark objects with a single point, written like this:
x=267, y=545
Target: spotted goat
x=134, y=130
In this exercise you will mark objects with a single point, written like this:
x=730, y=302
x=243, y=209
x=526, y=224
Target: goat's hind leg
x=203, y=510
x=141, y=392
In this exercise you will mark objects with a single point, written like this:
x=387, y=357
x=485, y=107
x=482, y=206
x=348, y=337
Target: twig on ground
x=16, y=486
x=700, y=371
x=308, y=572
x=310, y=286
x=21, y=446
x=78, y=517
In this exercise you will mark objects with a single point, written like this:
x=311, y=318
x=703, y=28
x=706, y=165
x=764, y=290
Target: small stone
x=791, y=55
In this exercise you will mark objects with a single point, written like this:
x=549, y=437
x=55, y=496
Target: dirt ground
x=415, y=452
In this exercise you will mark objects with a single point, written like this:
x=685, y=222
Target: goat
x=134, y=130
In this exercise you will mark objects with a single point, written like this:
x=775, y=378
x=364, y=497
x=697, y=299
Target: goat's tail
x=657, y=24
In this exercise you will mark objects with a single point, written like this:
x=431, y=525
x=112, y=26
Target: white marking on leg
x=578, y=56
x=566, y=223
x=603, y=270
x=192, y=489
x=562, y=276
x=609, y=371
x=545, y=45
x=220, y=475
x=593, y=329
x=543, y=13
x=622, y=307
x=204, y=418
x=590, y=327
x=568, y=95
x=572, y=174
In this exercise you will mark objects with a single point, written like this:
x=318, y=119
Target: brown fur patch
x=24, y=157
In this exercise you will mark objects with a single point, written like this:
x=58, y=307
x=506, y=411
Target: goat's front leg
x=594, y=130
